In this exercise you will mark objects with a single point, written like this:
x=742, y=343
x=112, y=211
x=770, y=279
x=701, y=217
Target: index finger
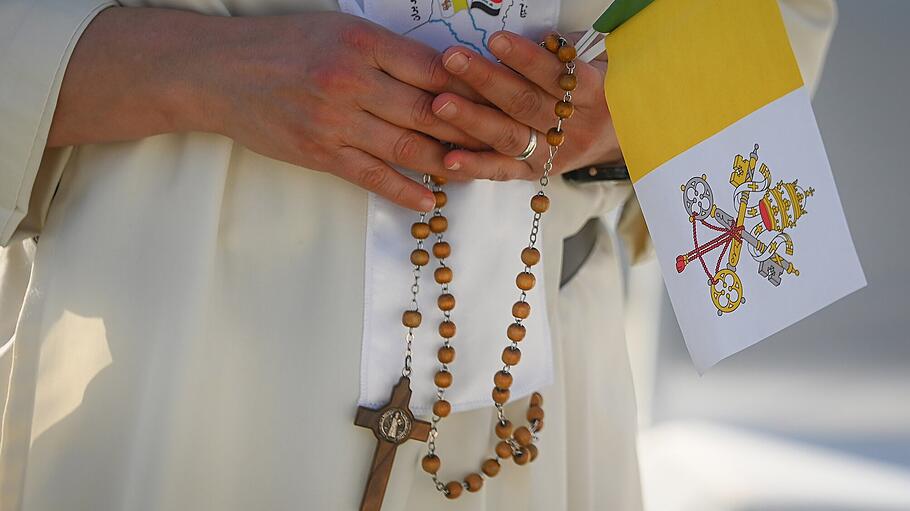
x=537, y=64
x=417, y=64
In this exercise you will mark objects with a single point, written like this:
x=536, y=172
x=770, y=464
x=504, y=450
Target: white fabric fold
x=486, y=243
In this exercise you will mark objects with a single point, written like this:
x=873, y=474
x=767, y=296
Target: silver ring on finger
x=532, y=145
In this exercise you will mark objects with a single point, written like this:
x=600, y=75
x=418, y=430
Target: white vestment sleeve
x=810, y=25
x=37, y=38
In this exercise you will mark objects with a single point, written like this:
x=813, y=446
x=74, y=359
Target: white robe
x=186, y=334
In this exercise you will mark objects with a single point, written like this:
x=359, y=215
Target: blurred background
x=816, y=417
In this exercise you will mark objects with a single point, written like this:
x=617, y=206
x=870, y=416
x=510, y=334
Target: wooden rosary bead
x=503, y=429
x=530, y=256
x=502, y=379
x=564, y=109
x=411, y=319
x=453, y=489
x=535, y=413
x=431, y=463
x=511, y=356
x=446, y=302
x=566, y=53
x=441, y=198
x=474, y=482
x=443, y=275
x=521, y=457
x=446, y=354
x=442, y=408
x=555, y=137
x=516, y=332
x=490, y=467
x=420, y=230
x=503, y=449
x=568, y=82
x=523, y=436
x=525, y=281
x=533, y=452
x=521, y=310
x=447, y=329
x=443, y=379
x=551, y=43
x=501, y=396
x=420, y=257
x=441, y=249
x=439, y=223
x=540, y=203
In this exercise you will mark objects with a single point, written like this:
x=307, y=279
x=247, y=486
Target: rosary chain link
x=532, y=241
x=415, y=291
x=440, y=392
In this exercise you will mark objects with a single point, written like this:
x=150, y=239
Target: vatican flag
x=717, y=130
x=450, y=7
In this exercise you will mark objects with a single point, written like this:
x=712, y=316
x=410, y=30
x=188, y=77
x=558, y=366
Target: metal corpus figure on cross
x=392, y=425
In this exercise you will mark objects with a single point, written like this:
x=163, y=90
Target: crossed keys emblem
x=770, y=210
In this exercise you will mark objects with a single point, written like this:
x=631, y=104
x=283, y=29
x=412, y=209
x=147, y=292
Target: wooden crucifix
x=392, y=425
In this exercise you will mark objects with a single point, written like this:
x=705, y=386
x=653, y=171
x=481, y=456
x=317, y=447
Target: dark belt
x=598, y=173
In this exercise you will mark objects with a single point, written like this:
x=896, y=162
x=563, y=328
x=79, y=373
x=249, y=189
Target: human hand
x=525, y=93
x=334, y=93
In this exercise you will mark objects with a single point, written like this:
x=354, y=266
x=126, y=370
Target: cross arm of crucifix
x=392, y=425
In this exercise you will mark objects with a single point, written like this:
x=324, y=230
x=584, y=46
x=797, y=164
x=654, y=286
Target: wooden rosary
x=394, y=424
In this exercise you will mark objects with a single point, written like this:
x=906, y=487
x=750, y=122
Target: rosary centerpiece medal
x=394, y=423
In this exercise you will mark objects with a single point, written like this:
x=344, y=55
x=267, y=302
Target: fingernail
x=427, y=203
x=454, y=166
x=447, y=110
x=457, y=62
x=500, y=45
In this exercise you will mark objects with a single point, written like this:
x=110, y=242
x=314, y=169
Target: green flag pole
x=618, y=13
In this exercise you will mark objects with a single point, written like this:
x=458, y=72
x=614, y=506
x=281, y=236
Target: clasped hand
x=364, y=99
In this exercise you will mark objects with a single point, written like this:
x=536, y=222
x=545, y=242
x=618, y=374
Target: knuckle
x=360, y=37
x=399, y=194
x=318, y=113
x=526, y=59
x=422, y=111
x=436, y=74
x=507, y=140
x=374, y=177
x=484, y=79
x=500, y=174
x=301, y=143
x=319, y=158
x=406, y=148
x=523, y=103
x=330, y=78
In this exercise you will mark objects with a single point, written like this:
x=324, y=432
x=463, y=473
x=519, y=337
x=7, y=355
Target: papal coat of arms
x=771, y=211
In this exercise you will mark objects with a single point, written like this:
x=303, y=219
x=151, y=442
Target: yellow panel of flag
x=681, y=71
